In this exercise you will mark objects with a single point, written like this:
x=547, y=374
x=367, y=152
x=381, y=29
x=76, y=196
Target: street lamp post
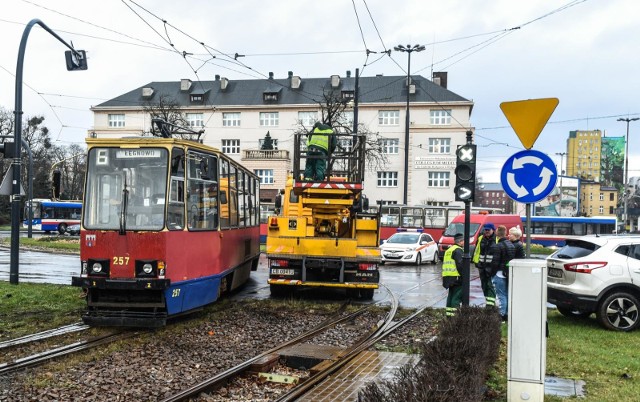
x=562, y=154
x=408, y=49
x=626, y=173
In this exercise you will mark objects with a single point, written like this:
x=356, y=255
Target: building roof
x=378, y=89
x=491, y=187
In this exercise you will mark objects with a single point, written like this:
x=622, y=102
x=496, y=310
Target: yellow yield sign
x=528, y=117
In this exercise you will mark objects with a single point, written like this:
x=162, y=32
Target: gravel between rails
x=157, y=365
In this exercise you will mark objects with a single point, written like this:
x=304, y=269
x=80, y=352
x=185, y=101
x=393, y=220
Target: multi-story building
x=492, y=195
x=583, y=154
x=236, y=115
x=598, y=200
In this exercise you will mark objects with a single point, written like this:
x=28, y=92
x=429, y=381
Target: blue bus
x=554, y=230
x=52, y=216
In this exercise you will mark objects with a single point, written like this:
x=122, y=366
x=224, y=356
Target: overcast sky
x=585, y=53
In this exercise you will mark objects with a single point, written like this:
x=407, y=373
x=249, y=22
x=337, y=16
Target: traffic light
x=76, y=60
x=465, y=172
x=57, y=184
x=8, y=149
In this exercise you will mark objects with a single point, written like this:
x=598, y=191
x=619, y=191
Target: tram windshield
x=126, y=189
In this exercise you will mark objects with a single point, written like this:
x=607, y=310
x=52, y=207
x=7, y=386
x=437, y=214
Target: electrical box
x=527, y=342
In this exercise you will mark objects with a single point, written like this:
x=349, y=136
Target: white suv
x=597, y=274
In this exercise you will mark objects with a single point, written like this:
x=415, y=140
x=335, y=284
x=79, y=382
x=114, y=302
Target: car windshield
x=404, y=238
x=454, y=228
x=575, y=249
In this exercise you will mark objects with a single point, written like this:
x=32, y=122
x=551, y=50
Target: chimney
x=224, y=82
x=147, y=92
x=217, y=77
x=335, y=81
x=295, y=82
x=440, y=78
x=185, y=84
x=290, y=74
x=348, y=73
x=270, y=75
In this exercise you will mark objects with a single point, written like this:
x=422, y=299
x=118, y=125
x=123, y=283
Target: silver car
x=597, y=274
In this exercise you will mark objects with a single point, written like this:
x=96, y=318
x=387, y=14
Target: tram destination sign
x=138, y=153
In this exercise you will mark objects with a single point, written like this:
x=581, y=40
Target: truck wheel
x=280, y=290
x=366, y=294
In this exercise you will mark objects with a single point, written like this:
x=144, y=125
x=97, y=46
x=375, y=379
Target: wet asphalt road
x=415, y=286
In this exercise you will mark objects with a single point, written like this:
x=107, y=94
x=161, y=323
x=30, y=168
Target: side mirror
x=278, y=201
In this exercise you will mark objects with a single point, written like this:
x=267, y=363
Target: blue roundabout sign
x=528, y=176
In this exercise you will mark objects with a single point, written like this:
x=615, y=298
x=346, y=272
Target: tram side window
x=243, y=216
x=202, y=201
x=175, y=212
x=233, y=196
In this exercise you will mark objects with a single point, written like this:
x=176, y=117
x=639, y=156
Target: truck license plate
x=280, y=271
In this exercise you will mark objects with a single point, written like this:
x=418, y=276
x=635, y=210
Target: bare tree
x=168, y=109
x=334, y=112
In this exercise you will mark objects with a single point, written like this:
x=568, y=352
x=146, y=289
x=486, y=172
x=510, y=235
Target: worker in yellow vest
x=320, y=143
x=482, y=257
x=451, y=279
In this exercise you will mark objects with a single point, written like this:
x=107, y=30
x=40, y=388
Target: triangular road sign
x=6, y=188
x=528, y=117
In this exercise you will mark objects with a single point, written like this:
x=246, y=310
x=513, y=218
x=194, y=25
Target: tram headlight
x=96, y=267
x=147, y=268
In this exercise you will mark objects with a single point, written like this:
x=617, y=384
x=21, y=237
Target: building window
x=197, y=98
x=601, y=196
x=440, y=117
x=346, y=118
x=388, y=117
x=345, y=144
x=611, y=197
x=116, y=120
x=230, y=119
x=231, y=146
x=348, y=95
x=601, y=209
x=439, y=145
x=611, y=210
x=269, y=119
x=265, y=175
x=308, y=119
x=270, y=96
x=438, y=179
x=390, y=145
x=194, y=120
x=387, y=179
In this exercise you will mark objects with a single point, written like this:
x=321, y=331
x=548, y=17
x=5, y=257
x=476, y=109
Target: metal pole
x=355, y=103
x=405, y=191
x=626, y=174
x=30, y=190
x=17, y=160
x=466, y=256
x=528, y=230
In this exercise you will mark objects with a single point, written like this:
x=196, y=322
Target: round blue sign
x=528, y=176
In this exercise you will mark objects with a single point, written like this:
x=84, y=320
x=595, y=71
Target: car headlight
x=96, y=267
x=410, y=249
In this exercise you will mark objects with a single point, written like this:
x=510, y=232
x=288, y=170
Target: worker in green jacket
x=451, y=279
x=482, y=257
x=320, y=143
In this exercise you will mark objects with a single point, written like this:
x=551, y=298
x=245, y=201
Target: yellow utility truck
x=321, y=234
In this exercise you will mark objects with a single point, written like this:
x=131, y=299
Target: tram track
x=62, y=351
x=220, y=379
x=40, y=336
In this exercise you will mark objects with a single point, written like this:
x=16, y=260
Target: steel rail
x=65, y=329
x=43, y=357
x=213, y=382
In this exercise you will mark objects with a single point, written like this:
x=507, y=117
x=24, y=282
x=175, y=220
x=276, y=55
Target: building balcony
x=265, y=154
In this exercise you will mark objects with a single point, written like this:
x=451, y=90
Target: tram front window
x=129, y=180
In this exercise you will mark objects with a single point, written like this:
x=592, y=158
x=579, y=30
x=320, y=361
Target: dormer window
x=348, y=94
x=197, y=98
x=270, y=96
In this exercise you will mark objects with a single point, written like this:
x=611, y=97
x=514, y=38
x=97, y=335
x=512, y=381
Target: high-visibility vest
x=448, y=263
x=320, y=138
x=483, y=258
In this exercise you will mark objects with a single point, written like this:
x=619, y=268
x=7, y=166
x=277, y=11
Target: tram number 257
x=120, y=260
x=175, y=293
